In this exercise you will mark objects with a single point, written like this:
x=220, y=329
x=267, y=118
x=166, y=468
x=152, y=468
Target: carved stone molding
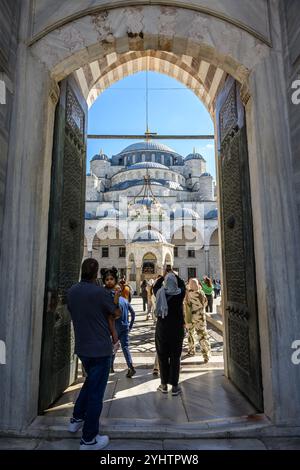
x=54, y=92
x=245, y=92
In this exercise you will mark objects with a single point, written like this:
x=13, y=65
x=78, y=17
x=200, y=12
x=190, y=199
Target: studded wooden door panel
x=239, y=290
x=65, y=242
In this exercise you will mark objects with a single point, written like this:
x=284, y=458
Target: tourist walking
x=150, y=305
x=195, y=319
x=169, y=333
x=144, y=294
x=207, y=287
x=217, y=288
x=122, y=324
x=93, y=311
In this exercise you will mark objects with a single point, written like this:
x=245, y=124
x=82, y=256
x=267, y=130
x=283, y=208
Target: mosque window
x=105, y=252
x=175, y=251
x=122, y=252
x=191, y=254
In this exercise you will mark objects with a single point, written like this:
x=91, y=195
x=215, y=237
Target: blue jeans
x=123, y=335
x=89, y=403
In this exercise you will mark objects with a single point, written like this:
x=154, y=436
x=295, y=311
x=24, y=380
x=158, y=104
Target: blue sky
x=173, y=109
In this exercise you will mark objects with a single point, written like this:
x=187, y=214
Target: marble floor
x=283, y=443
x=206, y=393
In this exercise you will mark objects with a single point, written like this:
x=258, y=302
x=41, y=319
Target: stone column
x=138, y=280
x=206, y=258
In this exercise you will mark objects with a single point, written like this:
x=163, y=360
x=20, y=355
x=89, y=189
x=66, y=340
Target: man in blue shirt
x=92, y=311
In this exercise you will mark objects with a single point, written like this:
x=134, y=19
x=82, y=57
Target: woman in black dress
x=169, y=291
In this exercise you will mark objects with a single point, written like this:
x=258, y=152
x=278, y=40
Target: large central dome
x=140, y=146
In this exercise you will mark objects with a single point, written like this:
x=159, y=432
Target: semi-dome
x=148, y=145
x=149, y=236
x=194, y=156
x=140, y=182
x=205, y=174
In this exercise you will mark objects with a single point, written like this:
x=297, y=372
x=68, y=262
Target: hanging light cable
x=147, y=97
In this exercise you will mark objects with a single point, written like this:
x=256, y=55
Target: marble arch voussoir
x=175, y=30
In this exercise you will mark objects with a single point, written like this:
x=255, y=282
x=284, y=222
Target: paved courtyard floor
x=133, y=407
x=207, y=394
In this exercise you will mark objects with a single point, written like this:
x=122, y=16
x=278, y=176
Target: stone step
x=47, y=427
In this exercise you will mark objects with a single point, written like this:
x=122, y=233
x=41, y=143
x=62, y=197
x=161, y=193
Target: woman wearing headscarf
x=170, y=292
x=195, y=319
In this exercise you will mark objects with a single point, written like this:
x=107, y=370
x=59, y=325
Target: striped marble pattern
x=203, y=78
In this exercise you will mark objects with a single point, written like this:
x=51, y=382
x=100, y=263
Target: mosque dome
x=194, y=156
x=100, y=156
x=205, y=174
x=147, y=151
x=147, y=145
x=149, y=236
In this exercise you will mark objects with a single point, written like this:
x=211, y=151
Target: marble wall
x=9, y=22
x=251, y=14
x=262, y=72
x=291, y=33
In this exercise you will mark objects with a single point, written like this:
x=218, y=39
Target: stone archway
x=67, y=47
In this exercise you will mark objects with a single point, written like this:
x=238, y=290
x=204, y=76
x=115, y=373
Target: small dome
x=194, y=156
x=211, y=215
x=141, y=165
x=88, y=215
x=100, y=156
x=149, y=236
x=184, y=213
x=205, y=174
x=110, y=213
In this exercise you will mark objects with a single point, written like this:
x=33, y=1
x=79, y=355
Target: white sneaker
x=75, y=424
x=96, y=444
